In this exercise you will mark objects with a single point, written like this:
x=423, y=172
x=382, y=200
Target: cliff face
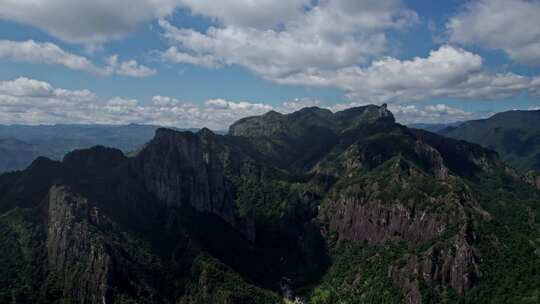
x=179, y=170
x=75, y=250
x=190, y=169
x=376, y=223
x=454, y=263
x=413, y=192
x=418, y=202
x=533, y=178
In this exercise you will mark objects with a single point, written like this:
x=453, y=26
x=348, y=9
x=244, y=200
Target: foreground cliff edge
x=330, y=208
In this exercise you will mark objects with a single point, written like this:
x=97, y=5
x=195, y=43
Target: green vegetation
x=189, y=273
x=510, y=243
x=23, y=260
x=217, y=283
x=272, y=198
x=358, y=274
x=392, y=182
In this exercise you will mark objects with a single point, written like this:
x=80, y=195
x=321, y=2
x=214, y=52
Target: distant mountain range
x=21, y=144
x=309, y=207
x=433, y=127
x=515, y=135
x=16, y=154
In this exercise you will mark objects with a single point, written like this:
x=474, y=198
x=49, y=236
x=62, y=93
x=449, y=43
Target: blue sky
x=190, y=63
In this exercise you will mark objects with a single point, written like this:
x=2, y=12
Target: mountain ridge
x=514, y=134
x=363, y=208
x=27, y=142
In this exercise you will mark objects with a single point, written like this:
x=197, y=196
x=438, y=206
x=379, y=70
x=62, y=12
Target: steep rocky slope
x=345, y=207
x=74, y=250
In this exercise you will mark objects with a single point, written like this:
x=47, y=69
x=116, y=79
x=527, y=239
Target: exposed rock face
x=361, y=214
x=182, y=168
x=463, y=158
x=418, y=201
x=377, y=223
x=533, y=178
x=433, y=158
x=75, y=252
x=453, y=264
x=179, y=171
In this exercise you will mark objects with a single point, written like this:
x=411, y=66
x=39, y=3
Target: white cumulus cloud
x=127, y=68
x=44, y=53
x=176, y=56
x=338, y=44
x=249, y=13
x=30, y=101
x=328, y=35
x=411, y=113
x=86, y=22
x=509, y=25
x=446, y=72
x=50, y=53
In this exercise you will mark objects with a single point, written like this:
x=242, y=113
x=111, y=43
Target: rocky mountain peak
x=273, y=115
x=93, y=160
x=304, y=120
x=184, y=169
x=205, y=132
x=365, y=114
x=315, y=111
x=206, y=136
x=42, y=163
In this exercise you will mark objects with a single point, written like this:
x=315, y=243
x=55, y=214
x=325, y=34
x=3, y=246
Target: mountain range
x=313, y=206
x=21, y=144
x=434, y=127
x=514, y=134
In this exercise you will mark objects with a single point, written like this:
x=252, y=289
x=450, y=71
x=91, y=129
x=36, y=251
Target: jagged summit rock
x=205, y=132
